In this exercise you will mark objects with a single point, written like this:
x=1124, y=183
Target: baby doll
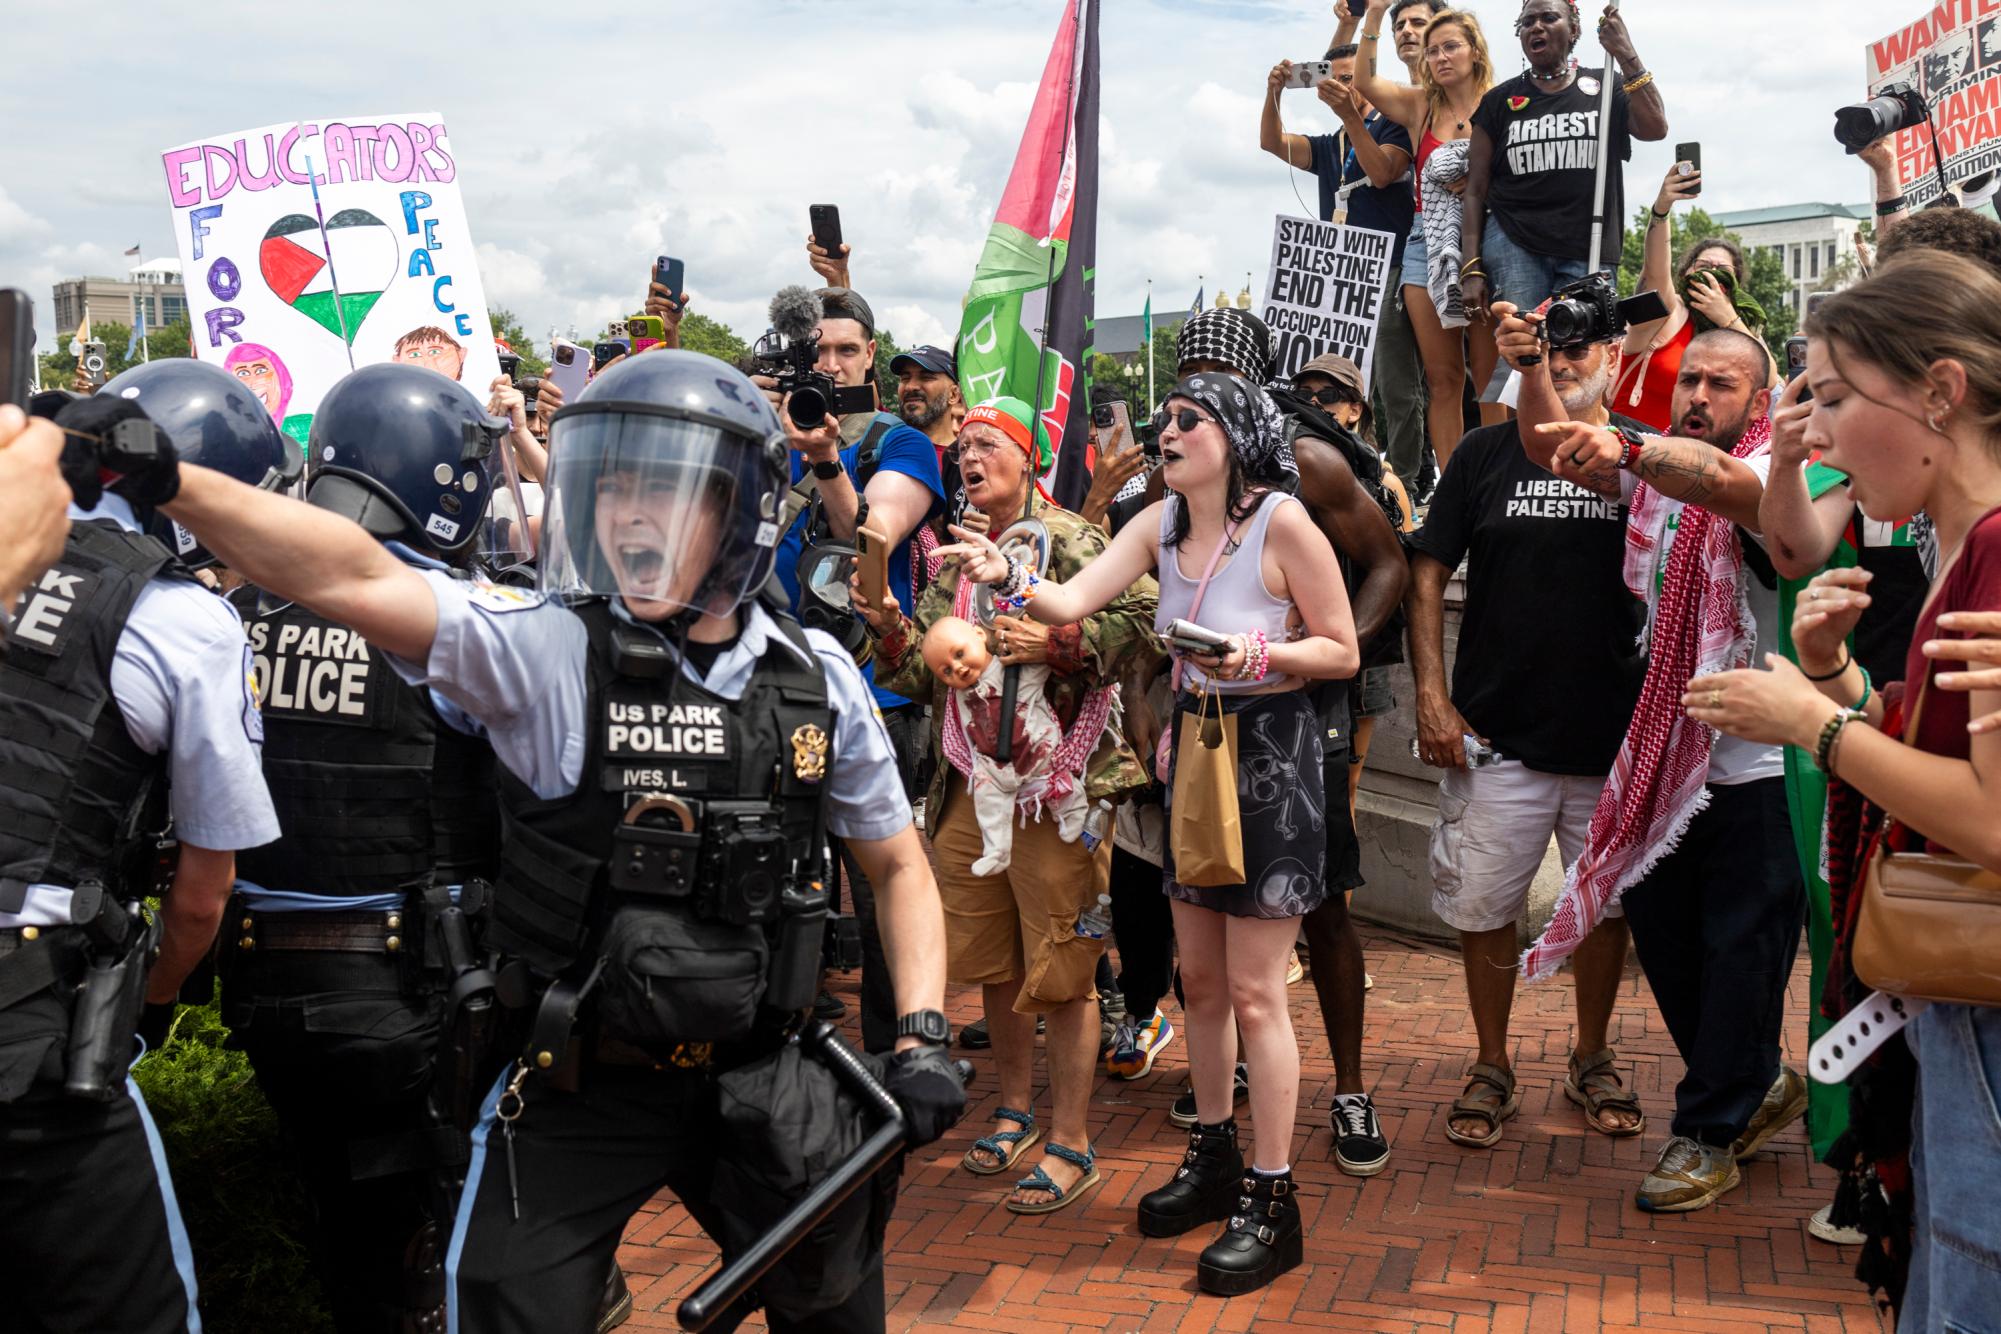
x=956, y=652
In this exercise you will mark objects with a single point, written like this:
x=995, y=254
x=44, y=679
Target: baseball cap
x=1338, y=369
x=844, y=303
x=927, y=358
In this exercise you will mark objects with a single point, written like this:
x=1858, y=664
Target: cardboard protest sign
x=1325, y=292
x=311, y=248
x=1952, y=56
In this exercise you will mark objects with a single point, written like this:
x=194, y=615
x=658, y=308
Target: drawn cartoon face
x=440, y=355
x=261, y=379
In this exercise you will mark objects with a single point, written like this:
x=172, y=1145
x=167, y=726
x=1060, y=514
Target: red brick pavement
x=1539, y=1234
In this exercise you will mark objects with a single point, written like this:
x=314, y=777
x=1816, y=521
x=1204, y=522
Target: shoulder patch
x=253, y=711
x=500, y=597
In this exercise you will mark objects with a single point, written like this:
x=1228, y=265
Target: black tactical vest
x=667, y=737
x=72, y=781
x=375, y=793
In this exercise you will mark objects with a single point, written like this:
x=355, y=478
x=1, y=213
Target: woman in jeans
x=1452, y=78
x=1276, y=593
x=1533, y=167
x=1911, y=411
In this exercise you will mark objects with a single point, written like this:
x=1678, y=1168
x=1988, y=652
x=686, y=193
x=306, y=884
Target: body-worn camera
x=1590, y=311
x=792, y=363
x=1898, y=107
x=728, y=862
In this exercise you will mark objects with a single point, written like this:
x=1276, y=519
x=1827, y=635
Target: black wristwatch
x=929, y=1025
x=827, y=469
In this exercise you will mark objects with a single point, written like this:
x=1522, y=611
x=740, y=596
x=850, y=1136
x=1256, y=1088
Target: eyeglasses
x=976, y=449
x=1444, y=49
x=1332, y=395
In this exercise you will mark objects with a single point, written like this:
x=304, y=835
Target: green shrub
x=244, y=1206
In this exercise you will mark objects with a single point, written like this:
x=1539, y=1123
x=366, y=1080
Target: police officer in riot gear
x=673, y=752
x=125, y=688
x=347, y=932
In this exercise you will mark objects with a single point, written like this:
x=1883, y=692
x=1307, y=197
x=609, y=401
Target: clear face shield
x=667, y=514
x=508, y=532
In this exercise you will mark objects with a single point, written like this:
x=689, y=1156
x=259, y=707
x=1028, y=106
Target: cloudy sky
x=591, y=138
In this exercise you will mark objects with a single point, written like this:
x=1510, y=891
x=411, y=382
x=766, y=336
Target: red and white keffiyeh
x=1701, y=623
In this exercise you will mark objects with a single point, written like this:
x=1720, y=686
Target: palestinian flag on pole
x=1026, y=332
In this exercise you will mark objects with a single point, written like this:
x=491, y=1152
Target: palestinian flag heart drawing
x=332, y=277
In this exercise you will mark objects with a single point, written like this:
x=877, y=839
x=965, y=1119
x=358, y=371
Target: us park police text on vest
x=311, y=669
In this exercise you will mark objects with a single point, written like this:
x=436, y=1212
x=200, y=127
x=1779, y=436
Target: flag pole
x=1599, y=202
x=1149, y=345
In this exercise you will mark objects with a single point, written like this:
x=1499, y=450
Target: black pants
x=1717, y=925
x=906, y=727
x=584, y=1162
x=1143, y=928
x=346, y=1059
x=90, y=1234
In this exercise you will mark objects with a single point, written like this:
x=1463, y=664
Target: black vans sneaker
x=1359, y=1147
x=1183, y=1111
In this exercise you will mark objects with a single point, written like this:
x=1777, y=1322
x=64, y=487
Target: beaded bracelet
x=1634, y=85
x=1021, y=599
x=1830, y=734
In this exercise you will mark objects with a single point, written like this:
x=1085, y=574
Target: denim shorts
x=1956, y=1167
x=1374, y=697
x=1413, y=255
x=1522, y=276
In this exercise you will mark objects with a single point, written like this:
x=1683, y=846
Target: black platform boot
x=1204, y=1188
x=1261, y=1241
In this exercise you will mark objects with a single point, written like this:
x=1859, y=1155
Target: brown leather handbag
x=1929, y=926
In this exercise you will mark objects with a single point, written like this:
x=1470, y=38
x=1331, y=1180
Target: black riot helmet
x=408, y=454
x=214, y=420
x=664, y=484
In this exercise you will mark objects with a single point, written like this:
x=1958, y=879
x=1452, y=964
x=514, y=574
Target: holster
x=104, y=1021
x=454, y=963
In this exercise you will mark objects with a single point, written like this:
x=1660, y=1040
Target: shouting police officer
x=674, y=754
x=122, y=673
x=347, y=931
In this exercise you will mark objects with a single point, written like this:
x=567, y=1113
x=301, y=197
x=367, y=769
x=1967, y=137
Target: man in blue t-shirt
x=1364, y=176
x=877, y=461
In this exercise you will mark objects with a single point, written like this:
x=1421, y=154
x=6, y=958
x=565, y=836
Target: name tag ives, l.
x=658, y=747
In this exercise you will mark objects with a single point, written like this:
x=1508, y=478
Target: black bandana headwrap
x=1250, y=420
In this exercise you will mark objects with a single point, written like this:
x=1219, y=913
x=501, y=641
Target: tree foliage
x=169, y=340
x=712, y=338
x=1126, y=376
x=1769, y=283
x=508, y=330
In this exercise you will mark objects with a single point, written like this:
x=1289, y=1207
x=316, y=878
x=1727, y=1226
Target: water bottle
x=1095, y=825
x=1095, y=922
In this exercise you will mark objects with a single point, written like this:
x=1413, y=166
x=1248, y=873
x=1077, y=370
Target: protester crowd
x=1730, y=637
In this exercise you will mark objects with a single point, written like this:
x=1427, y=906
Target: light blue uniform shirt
x=181, y=676
x=516, y=663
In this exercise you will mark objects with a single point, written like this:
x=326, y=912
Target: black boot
x=1204, y=1187
x=1261, y=1241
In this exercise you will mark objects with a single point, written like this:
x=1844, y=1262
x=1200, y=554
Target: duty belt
x=34, y=958
x=336, y=932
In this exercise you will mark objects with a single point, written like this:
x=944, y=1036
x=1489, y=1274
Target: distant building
x=1810, y=239
x=153, y=287
x=1119, y=335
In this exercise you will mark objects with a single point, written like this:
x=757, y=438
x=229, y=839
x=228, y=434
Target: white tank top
x=1237, y=601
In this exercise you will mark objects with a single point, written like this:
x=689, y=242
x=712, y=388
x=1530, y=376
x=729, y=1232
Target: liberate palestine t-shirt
x=1546, y=162
x=1548, y=669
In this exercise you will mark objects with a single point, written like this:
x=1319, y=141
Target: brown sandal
x=1476, y=1101
x=1596, y=1087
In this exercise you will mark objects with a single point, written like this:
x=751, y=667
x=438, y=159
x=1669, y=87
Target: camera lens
x=1859, y=126
x=807, y=407
x=1567, y=321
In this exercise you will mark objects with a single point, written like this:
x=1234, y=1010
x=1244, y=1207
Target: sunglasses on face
x=1333, y=395
x=1183, y=420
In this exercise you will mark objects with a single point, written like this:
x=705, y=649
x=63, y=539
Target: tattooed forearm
x=1602, y=481
x=1688, y=472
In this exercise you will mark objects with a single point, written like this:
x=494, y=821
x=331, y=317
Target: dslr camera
x=789, y=352
x=1898, y=107
x=1590, y=311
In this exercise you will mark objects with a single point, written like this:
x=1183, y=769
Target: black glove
x=154, y=1021
x=929, y=1090
x=133, y=457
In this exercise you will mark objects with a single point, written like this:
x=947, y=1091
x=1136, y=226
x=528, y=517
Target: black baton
x=724, y=1289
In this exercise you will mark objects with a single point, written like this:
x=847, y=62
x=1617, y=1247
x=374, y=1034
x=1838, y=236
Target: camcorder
x=1898, y=107
x=1590, y=311
x=789, y=352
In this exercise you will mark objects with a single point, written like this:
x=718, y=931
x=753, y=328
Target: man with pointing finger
x=1692, y=829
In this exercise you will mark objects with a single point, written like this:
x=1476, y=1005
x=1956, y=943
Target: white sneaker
x=1823, y=1229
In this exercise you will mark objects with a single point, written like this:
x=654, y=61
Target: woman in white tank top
x=1278, y=595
